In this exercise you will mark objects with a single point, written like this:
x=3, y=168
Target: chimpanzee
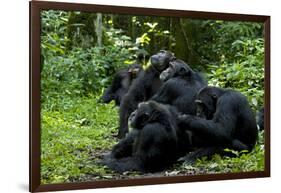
x=260, y=119
x=121, y=83
x=151, y=145
x=180, y=87
x=143, y=88
x=225, y=120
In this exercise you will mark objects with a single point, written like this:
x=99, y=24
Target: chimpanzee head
x=161, y=60
x=147, y=112
x=206, y=101
x=177, y=68
x=131, y=119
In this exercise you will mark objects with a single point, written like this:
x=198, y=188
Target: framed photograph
x=123, y=96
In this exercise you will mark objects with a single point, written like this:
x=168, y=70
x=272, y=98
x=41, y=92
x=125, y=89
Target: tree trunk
x=99, y=29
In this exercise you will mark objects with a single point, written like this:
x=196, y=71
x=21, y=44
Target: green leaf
x=254, y=101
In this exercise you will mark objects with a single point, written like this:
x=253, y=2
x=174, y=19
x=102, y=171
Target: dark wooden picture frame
x=34, y=37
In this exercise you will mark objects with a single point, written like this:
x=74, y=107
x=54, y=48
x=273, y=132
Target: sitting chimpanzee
x=151, y=145
x=225, y=120
x=143, y=88
x=121, y=83
x=180, y=87
x=260, y=119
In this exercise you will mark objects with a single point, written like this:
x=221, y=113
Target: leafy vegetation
x=75, y=69
x=73, y=133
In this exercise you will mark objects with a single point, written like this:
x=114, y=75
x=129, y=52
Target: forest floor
x=76, y=132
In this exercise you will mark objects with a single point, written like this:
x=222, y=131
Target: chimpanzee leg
x=202, y=152
x=239, y=146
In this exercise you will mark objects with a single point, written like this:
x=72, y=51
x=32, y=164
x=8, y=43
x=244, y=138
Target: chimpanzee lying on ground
x=121, y=82
x=143, y=88
x=152, y=143
x=225, y=120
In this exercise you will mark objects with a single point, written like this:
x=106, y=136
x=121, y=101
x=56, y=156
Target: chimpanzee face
x=131, y=119
x=161, y=60
x=206, y=104
x=141, y=116
x=147, y=112
x=176, y=68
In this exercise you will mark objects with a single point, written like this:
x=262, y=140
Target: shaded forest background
x=80, y=52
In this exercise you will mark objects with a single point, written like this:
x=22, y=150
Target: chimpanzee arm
x=213, y=131
x=127, y=106
x=116, y=84
x=218, y=130
x=161, y=95
x=125, y=146
x=168, y=91
x=108, y=95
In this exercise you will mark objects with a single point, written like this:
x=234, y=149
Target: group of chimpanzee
x=168, y=113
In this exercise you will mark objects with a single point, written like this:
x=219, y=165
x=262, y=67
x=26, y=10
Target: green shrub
x=244, y=73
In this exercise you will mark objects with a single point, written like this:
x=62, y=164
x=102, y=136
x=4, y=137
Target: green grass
x=72, y=138
x=76, y=131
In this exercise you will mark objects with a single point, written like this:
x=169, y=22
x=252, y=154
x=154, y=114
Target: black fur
x=152, y=144
x=180, y=87
x=179, y=90
x=143, y=88
x=121, y=82
x=225, y=120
